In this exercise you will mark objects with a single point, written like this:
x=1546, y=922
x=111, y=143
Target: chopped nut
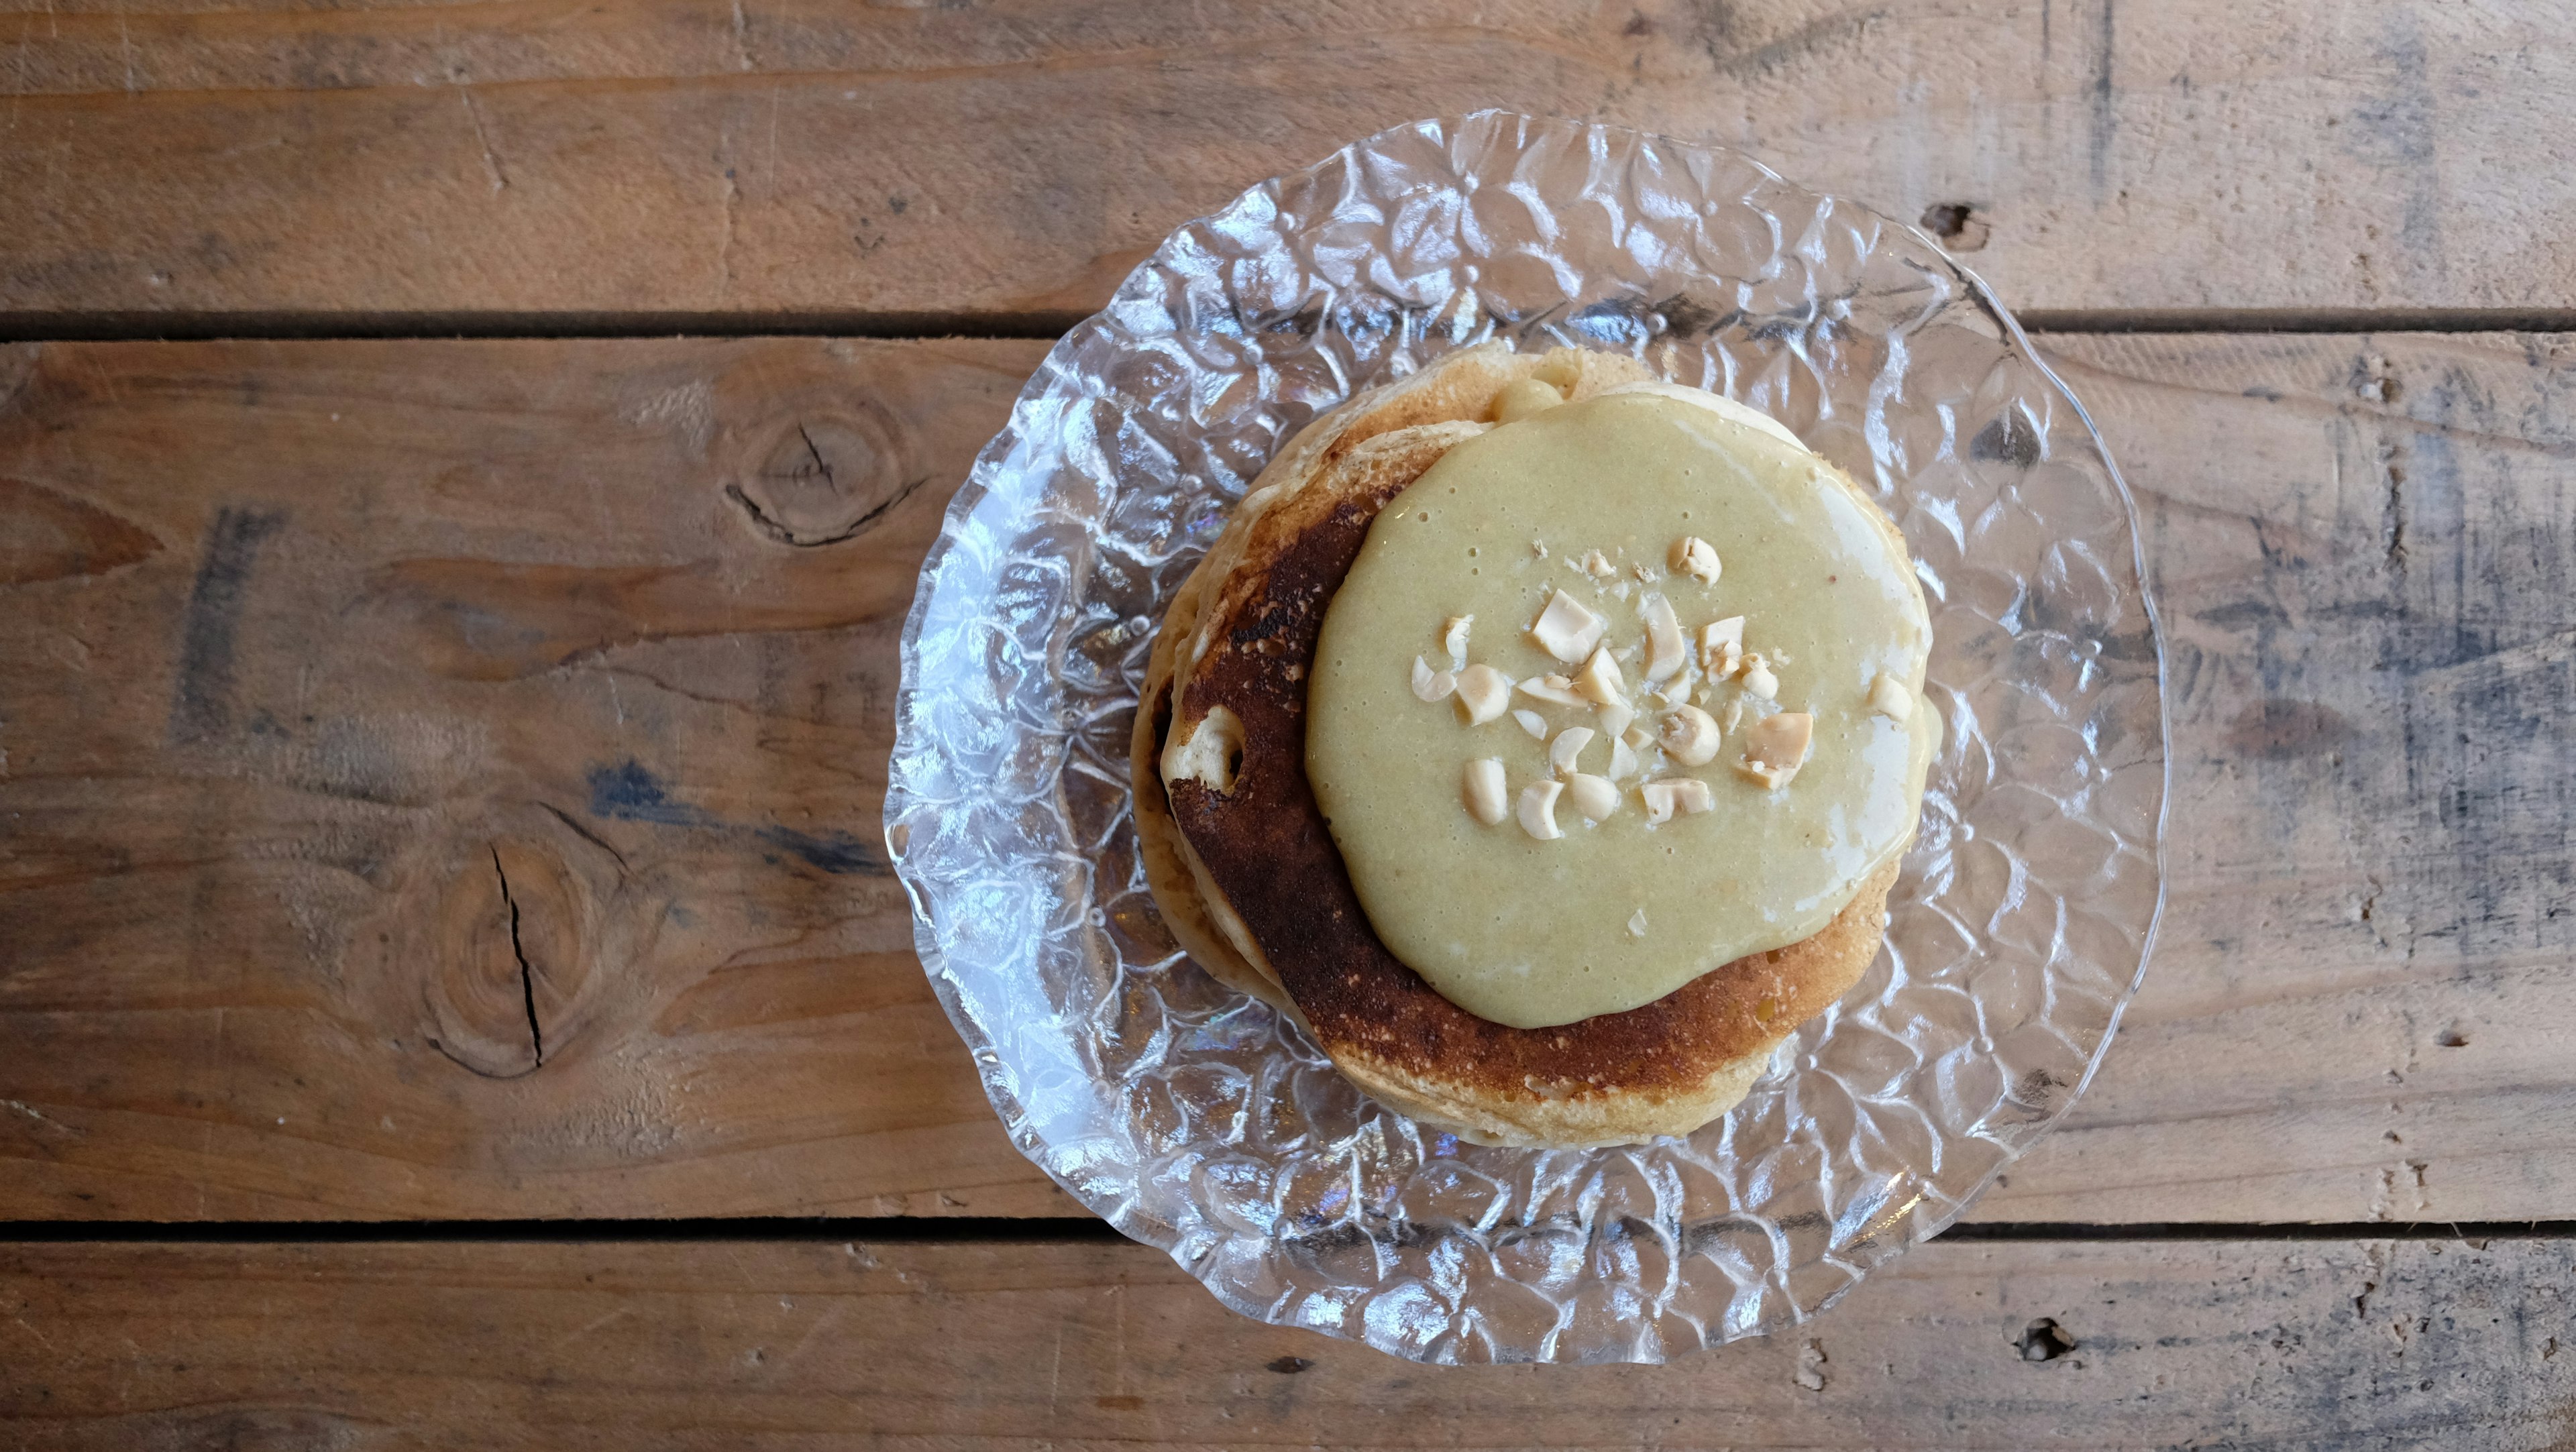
x=1211, y=754
x=1453, y=639
x=1538, y=549
x=1600, y=681
x=1637, y=923
x=1734, y=713
x=1568, y=745
x=1522, y=397
x=1645, y=573
x=1721, y=645
x=1665, y=652
x=1566, y=629
x=1889, y=697
x=1776, y=746
x=1538, y=810
x=1486, y=798
x=1759, y=680
x=1619, y=591
x=1658, y=797
x=1483, y=693
x=1598, y=566
x=1694, y=556
x=1689, y=735
x=1688, y=794
x=1623, y=761
x=1593, y=796
x=1532, y=722
x=1431, y=685
x=1615, y=718
x=1555, y=690
x=1638, y=736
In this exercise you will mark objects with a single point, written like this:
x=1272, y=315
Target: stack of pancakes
x=1246, y=872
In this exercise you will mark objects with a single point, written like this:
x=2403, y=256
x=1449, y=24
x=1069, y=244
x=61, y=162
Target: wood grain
x=543, y=162
x=2342, y=1344
x=291, y=733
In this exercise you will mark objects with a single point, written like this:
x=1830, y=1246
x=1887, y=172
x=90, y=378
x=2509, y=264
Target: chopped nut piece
x=1538, y=549
x=1776, y=746
x=1637, y=923
x=1522, y=397
x=1483, y=693
x=1889, y=697
x=1453, y=639
x=1568, y=745
x=1759, y=680
x=1598, y=566
x=1600, y=681
x=1532, y=722
x=1431, y=685
x=1566, y=629
x=1645, y=573
x=1658, y=797
x=1487, y=800
x=1689, y=735
x=1721, y=646
x=1555, y=690
x=1696, y=557
x=1638, y=736
x=1665, y=652
x=1211, y=754
x=1615, y=718
x=1623, y=762
x=1538, y=810
x=1593, y=796
x=1690, y=794
x=1734, y=714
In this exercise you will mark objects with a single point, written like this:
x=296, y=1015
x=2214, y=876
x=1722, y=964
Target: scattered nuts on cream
x=1566, y=629
x=1889, y=698
x=1665, y=652
x=1599, y=680
x=1431, y=685
x=1453, y=638
x=1537, y=810
x=1563, y=752
x=1695, y=557
x=1484, y=791
x=1689, y=735
x=1531, y=722
x=1593, y=796
x=1483, y=692
x=1776, y=746
x=1721, y=645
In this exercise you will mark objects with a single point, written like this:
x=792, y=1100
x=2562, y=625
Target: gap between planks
x=996, y=1229
x=23, y=327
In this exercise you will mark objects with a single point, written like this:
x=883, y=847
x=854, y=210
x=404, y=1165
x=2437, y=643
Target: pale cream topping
x=1694, y=799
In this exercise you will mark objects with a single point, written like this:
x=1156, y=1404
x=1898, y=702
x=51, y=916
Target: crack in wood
x=780, y=532
x=527, y=978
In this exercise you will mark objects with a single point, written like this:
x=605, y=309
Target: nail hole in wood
x=1957, y=225
x=2044, y=1340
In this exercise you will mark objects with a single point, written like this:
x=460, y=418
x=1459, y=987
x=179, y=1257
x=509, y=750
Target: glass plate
x=1197, y=1120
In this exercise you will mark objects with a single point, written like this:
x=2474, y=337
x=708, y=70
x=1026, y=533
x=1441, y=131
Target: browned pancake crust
x=1266, y=846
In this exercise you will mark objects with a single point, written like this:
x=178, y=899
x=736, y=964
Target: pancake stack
x=1244, y=866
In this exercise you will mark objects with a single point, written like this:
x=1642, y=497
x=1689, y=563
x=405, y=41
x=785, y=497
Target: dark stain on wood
x=2275, y=727
x=628, y=792
x=201, y=701
x=47, y=535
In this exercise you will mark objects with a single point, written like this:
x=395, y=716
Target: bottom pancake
x=1243, y=862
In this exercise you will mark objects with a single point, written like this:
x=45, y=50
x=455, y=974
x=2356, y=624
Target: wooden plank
x=507, y=570
x=343, y=680
x=2341, y=1344
x=765, y=158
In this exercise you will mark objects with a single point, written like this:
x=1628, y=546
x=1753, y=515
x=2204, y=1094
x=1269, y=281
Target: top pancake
x=1242, y=848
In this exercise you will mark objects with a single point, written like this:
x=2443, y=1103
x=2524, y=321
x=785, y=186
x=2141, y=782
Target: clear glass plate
x=1197, y=1120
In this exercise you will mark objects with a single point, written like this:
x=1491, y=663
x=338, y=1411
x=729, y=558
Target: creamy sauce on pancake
x=1531, y=932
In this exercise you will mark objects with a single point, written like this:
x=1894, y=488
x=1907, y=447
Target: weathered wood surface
x=2373, y=1344
x=768, y=158
x=418, y=618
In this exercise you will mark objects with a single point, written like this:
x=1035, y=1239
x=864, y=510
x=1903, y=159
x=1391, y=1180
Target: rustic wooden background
x=463, y=466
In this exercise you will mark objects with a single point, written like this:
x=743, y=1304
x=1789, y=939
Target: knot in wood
x=824, y=477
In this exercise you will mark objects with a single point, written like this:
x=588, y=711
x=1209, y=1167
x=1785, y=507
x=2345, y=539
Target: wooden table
x=462, y=469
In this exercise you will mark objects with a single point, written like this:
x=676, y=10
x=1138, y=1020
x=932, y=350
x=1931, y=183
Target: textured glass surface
x=1199, y=1121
